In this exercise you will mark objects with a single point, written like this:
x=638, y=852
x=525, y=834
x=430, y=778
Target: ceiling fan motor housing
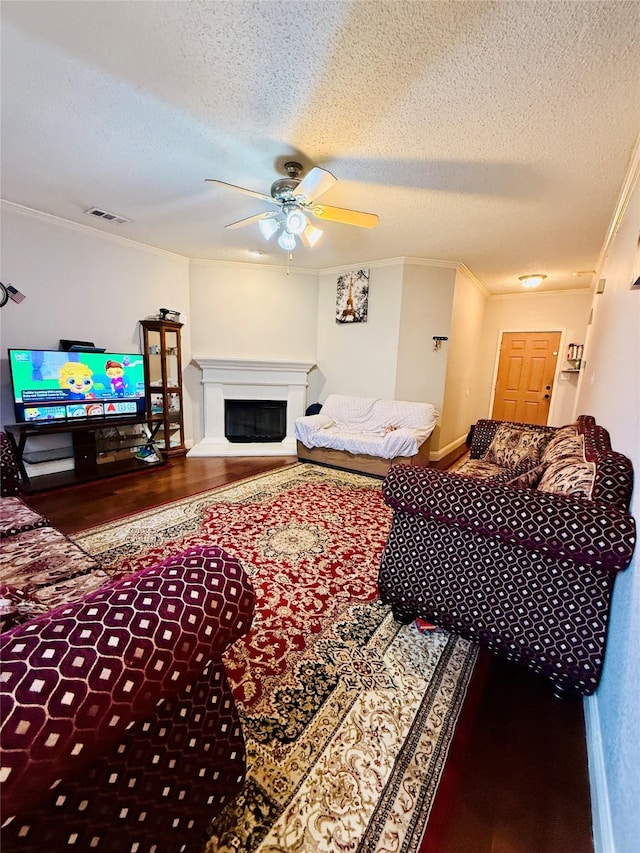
x=283, y=188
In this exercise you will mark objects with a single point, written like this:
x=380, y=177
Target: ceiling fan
x=295, y=199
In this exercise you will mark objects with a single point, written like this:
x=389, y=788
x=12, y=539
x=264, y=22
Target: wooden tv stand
x=100, y=447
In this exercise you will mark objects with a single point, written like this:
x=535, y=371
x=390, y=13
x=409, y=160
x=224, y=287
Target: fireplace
x=242, y=381
x=255, y=420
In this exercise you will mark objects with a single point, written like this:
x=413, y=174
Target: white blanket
x=383, y=428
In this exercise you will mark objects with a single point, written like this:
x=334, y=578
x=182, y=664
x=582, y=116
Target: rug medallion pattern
x=347, y=716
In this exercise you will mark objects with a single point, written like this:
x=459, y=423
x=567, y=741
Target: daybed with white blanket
x=366, y=434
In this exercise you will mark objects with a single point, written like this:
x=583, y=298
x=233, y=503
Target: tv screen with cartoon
x=49, y=385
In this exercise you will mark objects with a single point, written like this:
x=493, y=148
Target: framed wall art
x=352, y=297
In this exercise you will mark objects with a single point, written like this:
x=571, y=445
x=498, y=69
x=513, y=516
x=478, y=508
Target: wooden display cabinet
x=163, y=366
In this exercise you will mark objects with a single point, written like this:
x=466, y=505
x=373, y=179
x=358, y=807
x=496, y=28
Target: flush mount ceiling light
x=295, y=198
x=532, y=279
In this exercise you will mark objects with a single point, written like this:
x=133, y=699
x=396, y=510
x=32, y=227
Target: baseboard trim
x=601, y=824
x=449, y=450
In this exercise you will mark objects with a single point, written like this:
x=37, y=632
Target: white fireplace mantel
x=250, y=379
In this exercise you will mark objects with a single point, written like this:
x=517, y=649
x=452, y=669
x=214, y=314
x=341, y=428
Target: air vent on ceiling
x=108, y=217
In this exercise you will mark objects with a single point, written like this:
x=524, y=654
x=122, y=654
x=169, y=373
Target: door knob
x=548, y=387
x=546, y=396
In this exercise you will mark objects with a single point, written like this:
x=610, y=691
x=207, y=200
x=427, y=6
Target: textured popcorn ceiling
x=494, y=134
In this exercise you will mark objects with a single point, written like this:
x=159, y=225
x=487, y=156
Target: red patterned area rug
x=347, y=716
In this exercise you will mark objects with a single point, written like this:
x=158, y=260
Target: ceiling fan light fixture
x=268, y=227
x=295, y=221
x=531, y=279
x=287, y=241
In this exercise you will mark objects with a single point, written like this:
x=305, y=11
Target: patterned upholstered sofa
x=517, y=550
x=119, y=731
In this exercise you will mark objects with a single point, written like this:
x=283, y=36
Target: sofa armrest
x=307, y=426
x=9, y=472
x=75, y=678
x=586, y=532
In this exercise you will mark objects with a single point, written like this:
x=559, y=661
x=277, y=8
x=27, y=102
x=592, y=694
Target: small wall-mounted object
x=7, y=291
x=574, y=358
x=437, y=341
x=601, y=285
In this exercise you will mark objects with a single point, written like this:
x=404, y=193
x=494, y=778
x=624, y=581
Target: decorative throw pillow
x=513, y=445
x=565, y=449
x=563, y=441
x=569, y=473
x=528, y=479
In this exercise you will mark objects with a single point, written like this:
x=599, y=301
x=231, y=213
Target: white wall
x=567, y=312
x=360, y=358
x=84, y=285
x=250, y=311
x=610, y=391
x=460, y=405
x=427, y=301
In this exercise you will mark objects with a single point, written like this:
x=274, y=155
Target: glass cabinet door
x=174, y=436
x=172, y=364
x=154, y=360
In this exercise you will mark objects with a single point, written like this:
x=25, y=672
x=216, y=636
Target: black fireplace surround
x=255, y=420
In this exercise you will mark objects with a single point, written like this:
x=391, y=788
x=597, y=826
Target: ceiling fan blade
x=342, y=214
x=241, y=190
x=313, y=185
x=310, y=236
x=250, y=220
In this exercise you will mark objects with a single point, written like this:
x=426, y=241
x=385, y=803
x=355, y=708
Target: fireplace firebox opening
x=255, y=420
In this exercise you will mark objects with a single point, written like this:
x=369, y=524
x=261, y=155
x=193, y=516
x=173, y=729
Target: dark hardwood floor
x=78, y=507
x=516, y=780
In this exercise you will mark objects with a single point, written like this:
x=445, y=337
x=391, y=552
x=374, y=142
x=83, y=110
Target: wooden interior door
x=526, y=370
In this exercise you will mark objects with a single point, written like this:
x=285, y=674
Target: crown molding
x=568, y=292
x=378, y=264
x=211, y=262
x=392, y=262
x=464, y=270
x=127, y=241
x=389, y=262
x=82, y=228
x=631, y=178
x=432, y=262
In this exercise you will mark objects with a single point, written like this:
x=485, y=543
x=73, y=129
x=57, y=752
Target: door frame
x=536, y=327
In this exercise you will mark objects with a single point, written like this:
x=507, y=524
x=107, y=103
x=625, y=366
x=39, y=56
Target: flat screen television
x=49, y=385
